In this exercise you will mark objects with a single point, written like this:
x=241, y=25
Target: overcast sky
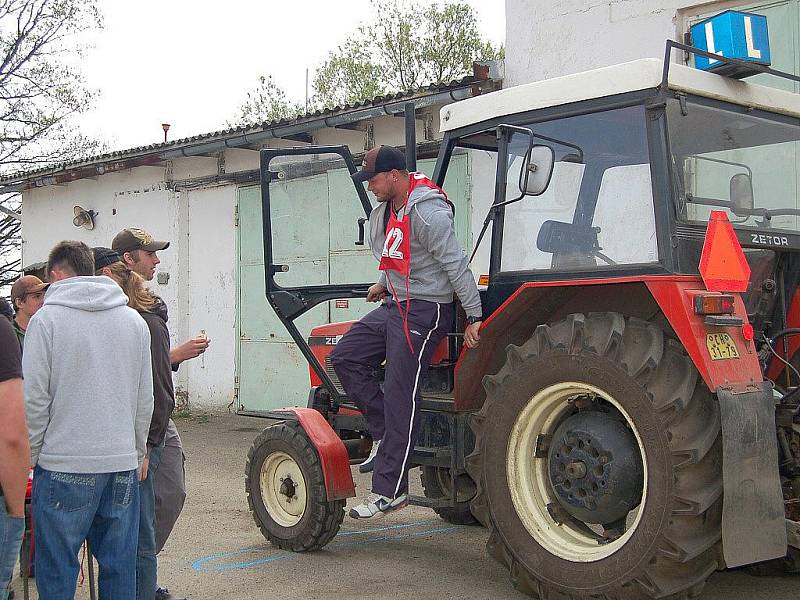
x=191, y=63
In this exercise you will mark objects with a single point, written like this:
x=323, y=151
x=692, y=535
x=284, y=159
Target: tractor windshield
x=737, y=161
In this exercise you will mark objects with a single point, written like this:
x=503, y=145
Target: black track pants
x=392, y=414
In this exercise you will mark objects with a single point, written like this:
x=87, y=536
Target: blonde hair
x=132, y=284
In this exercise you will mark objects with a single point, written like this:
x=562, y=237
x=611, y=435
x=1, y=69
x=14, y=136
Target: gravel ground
x=216, y=550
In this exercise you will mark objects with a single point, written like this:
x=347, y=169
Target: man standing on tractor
x=422, y=265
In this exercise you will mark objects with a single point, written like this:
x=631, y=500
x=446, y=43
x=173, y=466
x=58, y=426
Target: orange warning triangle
x=723, y=266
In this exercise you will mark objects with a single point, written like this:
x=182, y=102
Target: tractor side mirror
x=741, y=192
x=535, y=175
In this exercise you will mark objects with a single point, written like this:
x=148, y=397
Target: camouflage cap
x=132, y=239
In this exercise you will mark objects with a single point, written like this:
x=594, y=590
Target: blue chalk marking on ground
x=202, y=564
x=199, y=564
x=388, y=528
x=384, y=538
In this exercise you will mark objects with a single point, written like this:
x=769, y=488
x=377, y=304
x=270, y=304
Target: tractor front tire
x=286, y=490
x=669, y=542
x=436, y=483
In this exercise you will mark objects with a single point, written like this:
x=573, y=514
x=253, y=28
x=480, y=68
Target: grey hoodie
x=438, y=264
x=88, y=379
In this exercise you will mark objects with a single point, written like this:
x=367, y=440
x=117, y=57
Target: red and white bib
x=396, y=253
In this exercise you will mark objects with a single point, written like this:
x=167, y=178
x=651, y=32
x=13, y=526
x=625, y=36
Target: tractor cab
x=630, y=415
x=632, y=166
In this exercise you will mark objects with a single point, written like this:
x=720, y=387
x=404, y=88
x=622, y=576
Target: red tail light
x=713, y=304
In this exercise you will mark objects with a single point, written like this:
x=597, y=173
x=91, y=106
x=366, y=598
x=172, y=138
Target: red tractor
x=629, y=423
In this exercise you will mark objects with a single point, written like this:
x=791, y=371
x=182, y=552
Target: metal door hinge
x=684, y=106
x=236, y=216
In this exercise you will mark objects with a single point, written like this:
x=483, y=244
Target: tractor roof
x=617, y=79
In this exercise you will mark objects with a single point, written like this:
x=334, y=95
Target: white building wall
x=211, y=275
x=548, y=39
x=134, y=198
x=200, y=261
x=240, y=159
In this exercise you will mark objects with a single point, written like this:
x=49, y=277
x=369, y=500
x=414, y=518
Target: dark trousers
x=392, y=413
x=169, y=486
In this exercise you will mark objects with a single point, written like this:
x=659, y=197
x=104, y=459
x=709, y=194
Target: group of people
x=86, y=396
x=98, y=390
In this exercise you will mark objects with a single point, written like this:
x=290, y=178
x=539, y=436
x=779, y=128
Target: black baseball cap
x=132, y=239
x=104, y=257
x=380, y=159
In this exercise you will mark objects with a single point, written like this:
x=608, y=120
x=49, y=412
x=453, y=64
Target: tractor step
x=441, y=456
x=431, y=502
x=439, y=404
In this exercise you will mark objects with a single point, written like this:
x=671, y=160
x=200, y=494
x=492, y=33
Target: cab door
x=310, y=203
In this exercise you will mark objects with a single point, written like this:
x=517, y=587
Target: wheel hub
x=595, y=468
x=288, y=488
x=283, y=489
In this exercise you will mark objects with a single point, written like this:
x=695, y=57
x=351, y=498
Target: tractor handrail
x=673, y=45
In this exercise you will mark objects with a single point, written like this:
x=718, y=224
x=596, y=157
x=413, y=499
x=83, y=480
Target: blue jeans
x=69, y=508
x=146, y=562
x=11, y=530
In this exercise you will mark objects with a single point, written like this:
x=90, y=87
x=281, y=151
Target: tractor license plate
x=721, y=346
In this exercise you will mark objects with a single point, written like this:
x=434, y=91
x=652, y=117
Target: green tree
x=405, y=45
x=41, y=92
x=267, y=102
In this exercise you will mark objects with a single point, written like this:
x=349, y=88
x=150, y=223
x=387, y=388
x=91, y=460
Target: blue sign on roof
x=732, y=34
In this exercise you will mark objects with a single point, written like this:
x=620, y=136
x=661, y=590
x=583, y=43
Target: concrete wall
x=198, y=221
x=548, y=39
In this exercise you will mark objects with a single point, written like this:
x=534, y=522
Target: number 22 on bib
x=396, y=248
x=396, y=253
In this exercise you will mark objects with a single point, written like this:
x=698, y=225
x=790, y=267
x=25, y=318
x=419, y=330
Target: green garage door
x=314, y=223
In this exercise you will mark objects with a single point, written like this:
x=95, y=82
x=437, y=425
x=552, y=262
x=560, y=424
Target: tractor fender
x=776, y=367
x=537, y=302
x=332, y=453
x=675, y=297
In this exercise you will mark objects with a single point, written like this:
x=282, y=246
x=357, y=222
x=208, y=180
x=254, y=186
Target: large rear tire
x=286, y=490
x=670, y=541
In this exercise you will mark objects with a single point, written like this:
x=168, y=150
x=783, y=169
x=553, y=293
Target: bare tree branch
x=40, y=93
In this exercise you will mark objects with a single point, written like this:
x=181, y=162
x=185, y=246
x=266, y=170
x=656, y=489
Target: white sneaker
x=369, y=464
x=375, y=504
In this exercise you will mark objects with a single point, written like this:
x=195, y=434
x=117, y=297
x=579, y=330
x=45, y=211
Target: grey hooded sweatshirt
x=88, y=379
x=439, y=267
